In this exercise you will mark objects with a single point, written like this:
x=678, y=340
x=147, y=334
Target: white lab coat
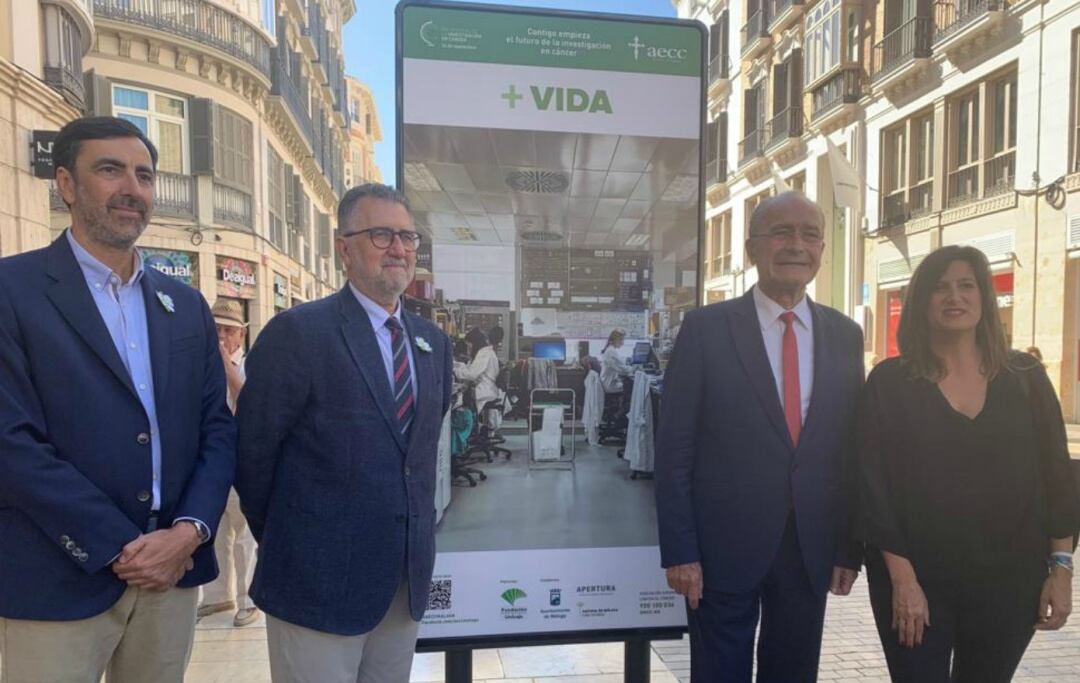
x=639, y=433
x=612, y=370
x=593, y=410
x=481, y=372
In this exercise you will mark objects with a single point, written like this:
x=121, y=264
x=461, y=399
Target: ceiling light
x=418, y=177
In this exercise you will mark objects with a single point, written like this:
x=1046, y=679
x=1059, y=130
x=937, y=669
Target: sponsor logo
x=555, y=597
x=512, y=595
x=656, y=53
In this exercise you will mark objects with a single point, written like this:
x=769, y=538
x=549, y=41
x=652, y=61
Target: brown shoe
x=214, y=608
x=246, y=616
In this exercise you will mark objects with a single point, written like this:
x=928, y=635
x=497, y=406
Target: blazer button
x=143, y=496
x=143, y=438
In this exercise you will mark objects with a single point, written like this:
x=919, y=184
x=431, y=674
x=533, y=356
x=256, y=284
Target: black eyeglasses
x=382, y=238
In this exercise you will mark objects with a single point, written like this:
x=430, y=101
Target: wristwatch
x=200, y=529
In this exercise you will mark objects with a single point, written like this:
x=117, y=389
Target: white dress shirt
x=772, y=332
x=378, y=317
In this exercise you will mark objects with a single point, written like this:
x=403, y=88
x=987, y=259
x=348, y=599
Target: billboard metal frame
x=636, y=639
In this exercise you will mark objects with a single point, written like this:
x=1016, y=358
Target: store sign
x=182, y=265
x=236, y=278
x=281, y=291
x=41, y=155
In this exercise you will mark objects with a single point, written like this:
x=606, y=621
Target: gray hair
x=368, y=191
x=758, y=216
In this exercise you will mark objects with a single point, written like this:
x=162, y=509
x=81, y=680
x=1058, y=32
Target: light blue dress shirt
x=378, y=317
x=123, y=310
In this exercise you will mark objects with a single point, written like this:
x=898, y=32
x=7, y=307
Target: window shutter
x=202, y=136
x=324, y=234
x=714, y=41
x=725, y=33
x=287, y=190
x=711, y=141
x=98, y=94
x=795, y=81
x=722, y=142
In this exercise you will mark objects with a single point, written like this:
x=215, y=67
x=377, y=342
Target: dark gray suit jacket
x=341, y=504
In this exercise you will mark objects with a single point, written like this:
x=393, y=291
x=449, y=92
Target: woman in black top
x=966, y=493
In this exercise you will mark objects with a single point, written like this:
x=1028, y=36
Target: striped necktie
x=404, y=400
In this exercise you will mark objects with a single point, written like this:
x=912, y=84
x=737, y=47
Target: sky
x=369, y=51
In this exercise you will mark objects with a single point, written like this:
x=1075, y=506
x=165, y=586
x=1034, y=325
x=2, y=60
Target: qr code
x=439, y=597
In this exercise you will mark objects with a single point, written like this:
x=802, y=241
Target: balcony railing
x=893, y=209
x=778, y=7
x=786, y=124
x=66, y=81
x=952, y=16
x=843, y=88
x=719, y=68
x=715, y=172
x=751, y=146
x=200, y=21
x=1000, y=174
x=963, y=186
x=296, y=98
x=922, y=199
x=174, y=195
x=757, y=27
x=232, y=206
x=908, y=42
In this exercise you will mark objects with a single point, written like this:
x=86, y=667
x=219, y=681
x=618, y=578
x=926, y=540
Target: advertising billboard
x=553, y=159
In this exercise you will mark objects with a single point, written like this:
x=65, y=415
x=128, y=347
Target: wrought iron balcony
x=295, y=96
x=782, y=13
x=922, y=199
x=963, y=186
x=719, y=69
x=1000, y=174
x=200, y=21
x=845, y=87
x=716, y=172
x=953, y=17
x=174, y=195
x=900, y=47
x=66, y=81
x=755, y=34
x=751, y=147
x=232, y=206
x=893, y=210
x=787, y=124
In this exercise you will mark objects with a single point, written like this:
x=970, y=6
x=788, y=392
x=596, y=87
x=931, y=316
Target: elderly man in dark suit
x=116, y=446
x=339, y=428
x=752, y=465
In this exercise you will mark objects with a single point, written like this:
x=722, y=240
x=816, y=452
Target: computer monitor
x=642, y=351
x=551, y=350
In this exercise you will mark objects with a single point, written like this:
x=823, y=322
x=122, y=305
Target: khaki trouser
x=382, y=655
x=146, y=636
x=235, y=550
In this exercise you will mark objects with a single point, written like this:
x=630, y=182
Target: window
x=275, y=184
x=907, y=169
x=823, y=39
x=982, y=140
x=354, y=110
x=161, y=117
x=922, y=165
x=1000, y=167
x=233, y=148
x=268, y=16
x=964, y=148
x=63, y=54
x=719, y=245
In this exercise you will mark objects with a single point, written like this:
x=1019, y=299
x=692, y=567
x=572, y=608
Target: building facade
x=364, y=133
x=962, y=116
x=42, y=47
x=247, y=105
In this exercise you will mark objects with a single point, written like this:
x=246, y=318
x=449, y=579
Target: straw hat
x=228, y=313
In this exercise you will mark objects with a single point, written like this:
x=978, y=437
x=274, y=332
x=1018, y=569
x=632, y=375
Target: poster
x=574, y=140
x=236, y=278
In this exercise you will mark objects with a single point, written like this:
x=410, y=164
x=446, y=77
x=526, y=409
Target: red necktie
x=792, y=393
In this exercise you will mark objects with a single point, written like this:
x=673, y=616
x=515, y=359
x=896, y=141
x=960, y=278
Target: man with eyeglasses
x=339, y=426
x=753, y=480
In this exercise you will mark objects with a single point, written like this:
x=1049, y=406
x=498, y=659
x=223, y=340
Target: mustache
x=395, y=262
x=128, y=203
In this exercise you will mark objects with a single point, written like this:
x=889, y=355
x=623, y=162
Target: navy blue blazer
x=343, y=507
x=75, y=465
x=727, y=474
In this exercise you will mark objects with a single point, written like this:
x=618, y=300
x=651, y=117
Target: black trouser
x=979, y=625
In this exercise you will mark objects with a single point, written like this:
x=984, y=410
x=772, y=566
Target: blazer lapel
x=71, y=296
x=364, y=348
x=425, y=370
x=159, y=330
x=751, y=350
x=824, y=372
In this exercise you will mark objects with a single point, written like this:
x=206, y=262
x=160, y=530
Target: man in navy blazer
x=752, y=464
x=116, y=447
x=339, y=428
